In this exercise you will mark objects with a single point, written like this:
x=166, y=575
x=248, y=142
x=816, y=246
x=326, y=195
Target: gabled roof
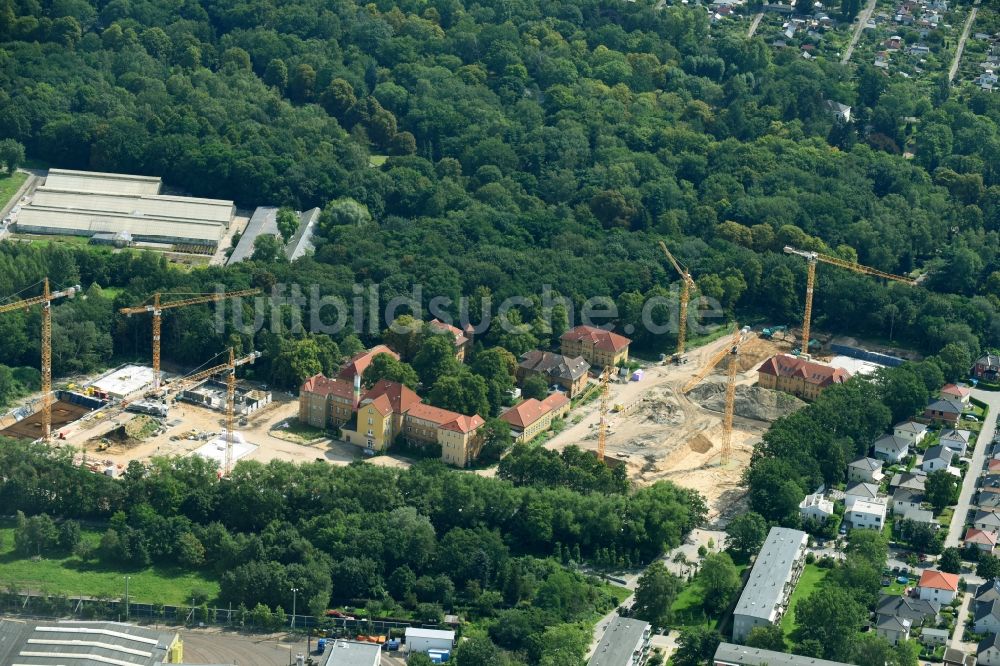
x=525, y=413
x=991, y=641
x=938, y=580
x=862, y=489
x=987, y=587
x=946, y=406
x=986, y=609
x=601, y=339
x=555, y=400
x=867, y=464
x=400, y=397
x=939, y=451
x=908, y=495
x=456, y=332
x=911, y=608
x=994, y=465
x=783, y=365
x=952, y=389
x=982, y=537
x=381, y=404
x=991, y=517
x=433, y=414
x=892, y=443
x=320, y=385
x=464, y=424
x=357, y=364
x=910, y=426
x=893, y=623
x=923, y=516
x=991, y=500
x=915, y=479
x=554, y=365
x=956, y=435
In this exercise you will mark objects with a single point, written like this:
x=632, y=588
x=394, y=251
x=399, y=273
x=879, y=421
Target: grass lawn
x=946, y=516
x=72, y=576
x=687, y=607
x=811, y=577
x=377, y=160
x=9, y=186
x=295, y=431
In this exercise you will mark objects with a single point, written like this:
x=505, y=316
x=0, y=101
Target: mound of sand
x=752, y=402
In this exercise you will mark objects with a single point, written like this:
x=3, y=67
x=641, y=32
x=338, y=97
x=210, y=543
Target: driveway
x=975, y=466
x=963, y=611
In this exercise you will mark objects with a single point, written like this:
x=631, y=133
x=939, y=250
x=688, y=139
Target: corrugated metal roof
x=263, y=221
x=301, y=242
x=94, y=181
x=43, y=220
x=208, y=211
x=53, y=643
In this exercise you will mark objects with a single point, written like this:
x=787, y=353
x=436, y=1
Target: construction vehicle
x=602, y=428
x=812, y=258
x=45, y=300
x=770, y=332
x=730, y=351
x=687, y=284
x=157, y=308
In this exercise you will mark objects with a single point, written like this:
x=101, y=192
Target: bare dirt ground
x=671, y=436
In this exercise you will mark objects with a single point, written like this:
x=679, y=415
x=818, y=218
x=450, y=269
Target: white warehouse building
x=82, y=203
x=429, y=640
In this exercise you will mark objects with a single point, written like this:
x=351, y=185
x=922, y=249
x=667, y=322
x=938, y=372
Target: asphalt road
x=863, y=18
x=975, y=466
x=211, y=646
x=961, y=44
x=753, y=26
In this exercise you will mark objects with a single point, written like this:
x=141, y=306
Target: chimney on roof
x=357, y=392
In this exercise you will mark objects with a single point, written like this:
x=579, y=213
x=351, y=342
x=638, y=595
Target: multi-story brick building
x=357, y=364
x=326, y=403
x=597, y=346
x=463, y=339
x=569, y=373
x=798, y=376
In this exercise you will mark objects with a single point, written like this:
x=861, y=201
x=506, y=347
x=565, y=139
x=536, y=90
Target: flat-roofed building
x=772, y=580
x=728, y=654
x=625, y=643
x=351, y=653
x=67, y=642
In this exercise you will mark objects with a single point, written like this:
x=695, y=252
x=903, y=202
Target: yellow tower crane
x=732, y=351
x=811, y=259
x=687, y=285
x=45, y=300
x=157, y=308
x=602, y=426
x=229, y=369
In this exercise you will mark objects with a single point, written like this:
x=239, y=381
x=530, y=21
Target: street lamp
x=126, y=596
x=295, y=592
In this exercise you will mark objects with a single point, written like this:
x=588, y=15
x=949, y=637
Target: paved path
x=754, y=24
x=961, y=44
x=863, y=18
x=992, y=399
x=28, y=184
x=963, y=610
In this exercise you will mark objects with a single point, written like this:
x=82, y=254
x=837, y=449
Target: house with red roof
x=357, y=364
x=531, y=417
x=937, y=586
x=326, y=403
x=954, y=392
x=463, y=339
x=371, y=428
x=984, y=540
x=801, y=377
x=597, y=346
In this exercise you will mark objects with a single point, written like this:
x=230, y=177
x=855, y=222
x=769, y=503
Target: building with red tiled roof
x=462, y=338
x=798, y=376
x=599, y=347
x=400, y=397
x=531, y=417
x=984, y=540
x=954, y=392
x=461, y=439
x=372, y=425
x=357, y=364
x=325, y=403
x=938, y=586
x=570, y=373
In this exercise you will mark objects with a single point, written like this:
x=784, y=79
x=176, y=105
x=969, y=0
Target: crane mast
x=156, y=308
x=602, y=426
x=687, y=284
x=812, y=258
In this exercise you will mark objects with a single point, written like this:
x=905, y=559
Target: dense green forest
x=421, y=541
x=531, y=144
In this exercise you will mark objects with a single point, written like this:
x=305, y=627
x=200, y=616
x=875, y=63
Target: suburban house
x=955, y=392
x=917, y=611
x=988, y=501
x=326, y=403
x=956, y=657
x=868, y=470
x=921, y=517
x=798, y=376
x=374, y=419
x=986, y=618
x=990, y=484
x=597, y=346
x=893, y=629
x=993, y=466
x=891, y=448
x=463, y=339
x=569, y=373
x=944, y=411
x=774, y=575
x=911, y=431
x=937, y=586
x=987, y=520
x=914, y=480
x=988, y=651
x=816, y=506
x=987, y=367
x=988, y=591
x=933, y=637
x=956, y=440
x=936, y=458
x=981, y=539
x=859, y=491
x=531, y=417
x=905, y=499
x=867, y=514
x=357, y=364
